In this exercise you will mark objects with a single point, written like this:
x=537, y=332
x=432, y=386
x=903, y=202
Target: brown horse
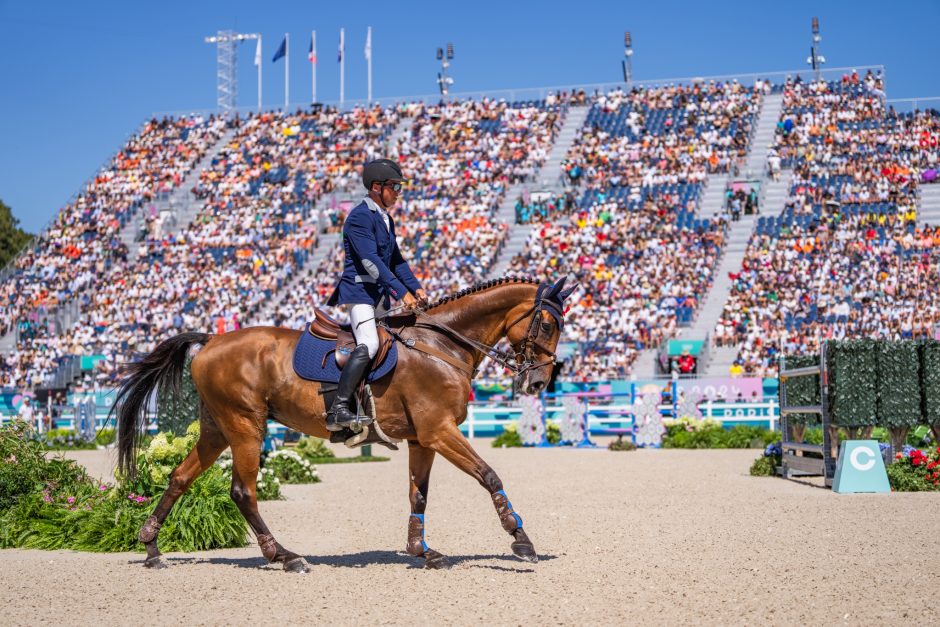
x=246, y=377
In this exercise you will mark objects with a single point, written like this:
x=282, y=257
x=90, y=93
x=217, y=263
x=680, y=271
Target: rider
x=373, y=272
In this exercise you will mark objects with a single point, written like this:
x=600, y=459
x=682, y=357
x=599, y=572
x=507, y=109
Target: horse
x=246, y=377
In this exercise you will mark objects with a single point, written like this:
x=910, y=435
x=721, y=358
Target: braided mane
x=479, y=287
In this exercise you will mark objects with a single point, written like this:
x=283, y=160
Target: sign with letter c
x=860, y=468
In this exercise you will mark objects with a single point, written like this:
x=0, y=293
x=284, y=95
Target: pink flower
x=70, y=500
x=103, y=488
x=141, y=499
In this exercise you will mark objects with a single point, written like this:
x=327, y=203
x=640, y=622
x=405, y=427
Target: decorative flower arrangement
x=268, y=486
x=289, y=467
x=766, y=465
x=51, y=503
x=915, y=470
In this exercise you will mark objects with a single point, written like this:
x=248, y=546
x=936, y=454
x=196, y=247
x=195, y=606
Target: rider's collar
x=374, y=206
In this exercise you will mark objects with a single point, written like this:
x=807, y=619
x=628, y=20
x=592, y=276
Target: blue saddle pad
x=309, y=360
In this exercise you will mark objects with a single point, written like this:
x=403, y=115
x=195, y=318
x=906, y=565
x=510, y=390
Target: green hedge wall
x=802, y=390
x=872, y=382
x=930, y=380
x=853, y=383
x=899, y=399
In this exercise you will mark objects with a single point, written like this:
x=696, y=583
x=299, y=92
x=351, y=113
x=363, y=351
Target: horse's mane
x=479, y=287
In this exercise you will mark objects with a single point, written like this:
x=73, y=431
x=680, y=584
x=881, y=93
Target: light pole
x=443, y=81
x=815, y=58
x=226, y=42
x=627, y=62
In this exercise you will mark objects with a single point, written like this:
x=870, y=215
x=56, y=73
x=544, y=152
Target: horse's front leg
x=451, y=443
x=420, y=460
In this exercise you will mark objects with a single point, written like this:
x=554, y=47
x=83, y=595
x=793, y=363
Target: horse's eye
x=546, y=326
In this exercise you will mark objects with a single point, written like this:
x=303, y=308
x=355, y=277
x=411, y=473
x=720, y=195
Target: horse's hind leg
x=420, y=460
x=210, y=445
x=457, y=450
x=246, y=459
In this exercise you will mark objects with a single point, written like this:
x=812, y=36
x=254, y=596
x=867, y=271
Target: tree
x=175, y=415
x=12, y=237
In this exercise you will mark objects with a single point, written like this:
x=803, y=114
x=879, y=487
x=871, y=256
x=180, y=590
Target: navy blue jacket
x=374, y=269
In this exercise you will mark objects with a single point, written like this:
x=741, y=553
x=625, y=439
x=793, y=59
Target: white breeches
x=362, y=318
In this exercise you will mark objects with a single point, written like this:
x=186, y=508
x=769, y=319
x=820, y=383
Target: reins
x=510, y=361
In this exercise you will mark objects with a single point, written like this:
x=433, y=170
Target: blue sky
x=78, y=78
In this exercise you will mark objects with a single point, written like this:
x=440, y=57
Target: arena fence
x=484, y=419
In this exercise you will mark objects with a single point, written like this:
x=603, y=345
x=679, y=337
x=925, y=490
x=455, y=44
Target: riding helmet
x=381, y=170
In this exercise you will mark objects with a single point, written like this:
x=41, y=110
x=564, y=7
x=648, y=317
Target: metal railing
x=539, y=93
x=908, y=105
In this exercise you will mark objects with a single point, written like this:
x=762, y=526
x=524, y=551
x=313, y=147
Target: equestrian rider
x=373, y=272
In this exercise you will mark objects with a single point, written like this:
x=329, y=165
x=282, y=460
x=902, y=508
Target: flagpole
x=313, y=66
x=342, y=66
x=260, y=63
x=286, y=71
x=369, y=39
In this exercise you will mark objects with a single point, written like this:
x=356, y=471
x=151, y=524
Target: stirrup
x=355, y=423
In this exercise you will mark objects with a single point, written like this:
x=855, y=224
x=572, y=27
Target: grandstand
x=211, y=223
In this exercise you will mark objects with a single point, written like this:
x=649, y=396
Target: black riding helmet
x=381, y=170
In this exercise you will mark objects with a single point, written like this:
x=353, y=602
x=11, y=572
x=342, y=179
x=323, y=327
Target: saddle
x=328, y=329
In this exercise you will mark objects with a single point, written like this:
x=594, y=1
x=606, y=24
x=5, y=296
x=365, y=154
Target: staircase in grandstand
x=180, y=206
x=548, y=179
x=739, y=233
x=404, y=126
x=929, y=210
x=773, y=198
x=736, y=240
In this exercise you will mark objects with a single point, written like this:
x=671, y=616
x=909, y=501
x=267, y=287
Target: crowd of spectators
x=630, y=299
x=633, y=238
x=847, y=257
x=254, y=229
x=462, y=157
x=83, y=240
x=664, y=135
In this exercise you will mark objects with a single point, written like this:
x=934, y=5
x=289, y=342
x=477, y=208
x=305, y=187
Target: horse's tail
x=161, y=370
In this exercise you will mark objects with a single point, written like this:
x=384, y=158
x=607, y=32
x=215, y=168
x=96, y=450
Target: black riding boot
x=342, y=414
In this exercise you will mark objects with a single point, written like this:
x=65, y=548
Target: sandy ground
x=652, y=537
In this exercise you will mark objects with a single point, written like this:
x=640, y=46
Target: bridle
x=520, y=361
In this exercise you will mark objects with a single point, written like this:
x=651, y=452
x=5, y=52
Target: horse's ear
x=556, y=289
x=564, y=294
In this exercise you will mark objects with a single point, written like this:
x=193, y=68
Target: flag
x=281, y=51
x=342, y=44
x=369, y=44
x=258, y=53
x=312, y=54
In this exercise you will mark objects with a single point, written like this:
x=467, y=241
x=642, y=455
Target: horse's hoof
x=525, y=551
x=435, y=561
x=156, y=562
x=296, y=565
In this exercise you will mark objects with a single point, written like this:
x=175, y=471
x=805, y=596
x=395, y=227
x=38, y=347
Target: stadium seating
x=846, y=258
